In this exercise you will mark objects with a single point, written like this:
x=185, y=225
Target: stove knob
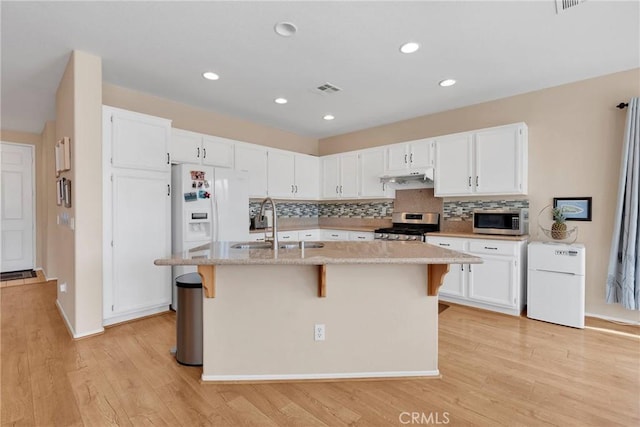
x=412, y=238
x=377, y=236
x=403, y=237
x=393, y=237
x=385, y=236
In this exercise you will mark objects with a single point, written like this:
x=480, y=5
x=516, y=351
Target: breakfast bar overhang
x=377, y=302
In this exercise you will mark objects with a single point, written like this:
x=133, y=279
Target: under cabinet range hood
x=418, y=178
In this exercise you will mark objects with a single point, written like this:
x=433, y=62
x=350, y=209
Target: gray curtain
x=623, y=282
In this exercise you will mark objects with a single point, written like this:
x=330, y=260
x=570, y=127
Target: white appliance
x=556, y=283
x=208, y=205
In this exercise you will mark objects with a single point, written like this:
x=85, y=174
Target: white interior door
x=17, y=206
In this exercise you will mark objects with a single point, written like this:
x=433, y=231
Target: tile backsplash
x=329, y=209
x=463, y=209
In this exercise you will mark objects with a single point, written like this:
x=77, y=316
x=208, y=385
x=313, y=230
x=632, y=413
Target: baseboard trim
x=321, y=377
x=70, y=329
x=612, y=319
x=110, y=321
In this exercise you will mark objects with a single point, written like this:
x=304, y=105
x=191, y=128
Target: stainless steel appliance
x=409, y=226
x=513, y=222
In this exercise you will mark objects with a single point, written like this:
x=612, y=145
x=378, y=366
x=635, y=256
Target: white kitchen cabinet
x=136, y=215
x=137, y=141
x=361, y=236
x=309, y=235
x=340, y=176
x=334, y=234
x=197, y=148
x=489, y=161
x=498, y=284
x=257, y=237
x=371, y=166
x=287, y=236
x=292, y=175
x=410, y=156
x=252, y=159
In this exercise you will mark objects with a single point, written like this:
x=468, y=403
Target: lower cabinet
x=498, y=284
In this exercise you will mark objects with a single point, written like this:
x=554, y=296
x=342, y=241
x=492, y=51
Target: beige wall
x=78, y=258
x=40, y=208
x=208, y=122
x=575, y=140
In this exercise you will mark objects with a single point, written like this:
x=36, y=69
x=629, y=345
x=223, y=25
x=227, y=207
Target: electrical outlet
x=63, y=287
x=318, y=332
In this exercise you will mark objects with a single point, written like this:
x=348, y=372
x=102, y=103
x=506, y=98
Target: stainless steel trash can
x=189, y=320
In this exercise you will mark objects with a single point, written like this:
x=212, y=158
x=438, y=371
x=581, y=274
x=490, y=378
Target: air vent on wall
x=327, y=89
x=563, y=5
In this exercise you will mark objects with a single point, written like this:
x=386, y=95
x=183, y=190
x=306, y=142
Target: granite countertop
x=378, y=252
x=316, y=227
x=478, y=236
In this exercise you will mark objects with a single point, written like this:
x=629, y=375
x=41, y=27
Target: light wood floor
x=496, y=370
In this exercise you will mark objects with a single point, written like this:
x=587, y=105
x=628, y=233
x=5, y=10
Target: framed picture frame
x=66, y=192
x=59, y=192
x=63, y=155
x=574, y=208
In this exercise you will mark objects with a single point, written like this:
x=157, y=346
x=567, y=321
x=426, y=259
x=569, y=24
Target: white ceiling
x=494, y=49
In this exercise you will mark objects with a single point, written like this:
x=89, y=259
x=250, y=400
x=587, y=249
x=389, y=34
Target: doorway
x=17, y=206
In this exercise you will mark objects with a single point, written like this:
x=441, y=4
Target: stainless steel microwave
x=513, y=222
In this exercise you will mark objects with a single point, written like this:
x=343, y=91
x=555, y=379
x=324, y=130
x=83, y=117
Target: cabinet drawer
x=287, y=236
x=493, y=247
x=256, y=237
x=360, y=236
x=443, y=242
x=309, y=235
x=335, y=235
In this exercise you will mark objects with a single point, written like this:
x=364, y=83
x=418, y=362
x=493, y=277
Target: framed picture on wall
x=59, y=191
x=66, y=192
x=63, y=155
x=574, y=208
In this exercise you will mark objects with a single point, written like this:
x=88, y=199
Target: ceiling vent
x=563, y=5
x=327, y=89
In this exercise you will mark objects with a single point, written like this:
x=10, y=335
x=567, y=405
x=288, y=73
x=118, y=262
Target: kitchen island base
x=378, y=318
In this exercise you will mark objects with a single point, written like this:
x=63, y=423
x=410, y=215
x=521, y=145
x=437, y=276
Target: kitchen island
x=376, y=301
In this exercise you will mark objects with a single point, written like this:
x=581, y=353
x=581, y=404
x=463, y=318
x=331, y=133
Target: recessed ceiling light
x=409, y=47
x=447, y=82
x=280, y=100
x=285, y=29
x=210, y=75
x=328, y=117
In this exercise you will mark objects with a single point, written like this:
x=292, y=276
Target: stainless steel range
x=409, y=226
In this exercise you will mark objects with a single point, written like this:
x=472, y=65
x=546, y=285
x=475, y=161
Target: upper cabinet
x=252, y=158
x=139, y=141
x=340, y=176
x=292, y=175
x=410, y=156
x=489, y=161
x=371, y=166
x=192, y=147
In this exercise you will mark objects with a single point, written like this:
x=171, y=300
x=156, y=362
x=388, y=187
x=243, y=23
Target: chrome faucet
x=274, y=224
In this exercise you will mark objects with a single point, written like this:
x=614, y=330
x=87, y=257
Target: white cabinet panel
x=361, y=236
x=217, y=151
x=141, y=233
x=309, y=235
x=397, y=158
x=410, y=156
x=330, y=177
x=139, y=141
x=307, y=176
x=335, y=235
x=185, y=146
x=371, y=168
x=499, y=160
x=281, y=173
x=287, y=236
x=253, y=159
x=349, y=175
x=257, y=237
x=421, y=154
x=455, y=281
x=493, y=281
x=453, y=165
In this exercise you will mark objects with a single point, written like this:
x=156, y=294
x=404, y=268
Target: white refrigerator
x=556, y=283
x=208, y=205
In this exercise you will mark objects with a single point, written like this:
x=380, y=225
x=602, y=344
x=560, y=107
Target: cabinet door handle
x=462, y=267
x=168, y=189
x=168, y=159
x=411, y=158
x=296, y=189
x=204, y=153
x=341, y=189
x=405, y=159
x=444, y=244
x=292, y=188
x=489, y=247
x=469, y=268
x=334, y=235
x=198, y=155
x=384, y=188
x=337, y=186
x=469, y=181
x=476, y=180
x=361, y=237
x=286, y=237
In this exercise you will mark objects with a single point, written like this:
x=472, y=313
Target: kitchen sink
x=298, y=245
x=252, y=245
